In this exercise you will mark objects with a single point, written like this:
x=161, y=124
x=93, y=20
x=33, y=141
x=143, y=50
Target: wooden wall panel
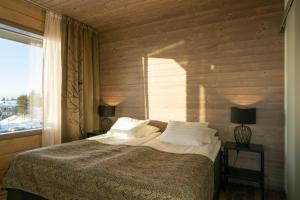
x=9, y=147
x=23, y=15
x=196, y=66
x=107, y=15
x=27, y=16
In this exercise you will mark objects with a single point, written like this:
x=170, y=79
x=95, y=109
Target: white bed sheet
x=109, y=139
x=209, y=150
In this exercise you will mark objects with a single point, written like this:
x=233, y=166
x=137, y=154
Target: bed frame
x=16, y=194
x=218, y=179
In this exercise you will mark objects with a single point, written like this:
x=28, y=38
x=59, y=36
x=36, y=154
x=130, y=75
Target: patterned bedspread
x=89, y=169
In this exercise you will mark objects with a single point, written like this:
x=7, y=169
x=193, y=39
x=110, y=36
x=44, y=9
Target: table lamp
x=106, y=111
x=242, y=133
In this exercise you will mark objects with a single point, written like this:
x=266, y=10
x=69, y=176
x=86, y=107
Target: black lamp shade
x=106, y=111
x=243, y=115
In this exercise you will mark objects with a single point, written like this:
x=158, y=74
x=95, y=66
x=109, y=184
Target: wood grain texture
x=11, y=146
x=194, y=66
x=113, y=14
x=23, y=15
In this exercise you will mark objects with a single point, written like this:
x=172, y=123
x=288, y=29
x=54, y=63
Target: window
x=21, y=60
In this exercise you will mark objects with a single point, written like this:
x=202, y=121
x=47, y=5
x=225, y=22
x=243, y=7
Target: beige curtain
x=80, y=87
x=52, y=80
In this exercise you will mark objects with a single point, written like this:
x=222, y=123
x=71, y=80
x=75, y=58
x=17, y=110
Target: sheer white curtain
x=52, y=80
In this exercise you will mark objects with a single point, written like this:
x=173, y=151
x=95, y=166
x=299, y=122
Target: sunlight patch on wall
x=144, y=64
x=166, y=48
x=166, y=89
x=202, y=104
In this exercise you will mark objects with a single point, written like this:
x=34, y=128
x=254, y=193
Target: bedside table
x=244, y=174
x=95, y=133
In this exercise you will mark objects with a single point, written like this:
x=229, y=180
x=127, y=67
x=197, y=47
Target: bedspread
x=89, y=169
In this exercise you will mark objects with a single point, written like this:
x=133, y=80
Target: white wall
x=292, y=97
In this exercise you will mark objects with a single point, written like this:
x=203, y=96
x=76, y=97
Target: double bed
x=107, y=167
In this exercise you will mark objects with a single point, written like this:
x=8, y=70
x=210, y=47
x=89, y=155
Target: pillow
x=126, y=127
x=127, y=123
x=189, y=134
x=146, y=130
x=137, y=132
x=122, y=134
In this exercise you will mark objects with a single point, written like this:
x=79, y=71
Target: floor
x=241, y=192
x=235, y=192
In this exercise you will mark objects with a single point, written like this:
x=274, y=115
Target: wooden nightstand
x=244, y=174
x=95, y=133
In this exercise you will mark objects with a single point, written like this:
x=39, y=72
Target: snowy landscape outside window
x=21, y=57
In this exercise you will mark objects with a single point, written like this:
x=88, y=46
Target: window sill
x=17, y=134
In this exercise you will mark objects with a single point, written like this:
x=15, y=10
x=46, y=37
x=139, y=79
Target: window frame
x=18, y=35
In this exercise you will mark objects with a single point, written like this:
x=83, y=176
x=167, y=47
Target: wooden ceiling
x=107, y=15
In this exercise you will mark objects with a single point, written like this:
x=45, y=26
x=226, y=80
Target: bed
x=104, y=167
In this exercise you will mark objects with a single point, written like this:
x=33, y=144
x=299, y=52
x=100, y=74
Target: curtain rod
x=286, y=14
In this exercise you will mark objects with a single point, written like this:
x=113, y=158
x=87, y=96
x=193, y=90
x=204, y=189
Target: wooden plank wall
x=23, y=15
x=9, y=147
x=196, y=66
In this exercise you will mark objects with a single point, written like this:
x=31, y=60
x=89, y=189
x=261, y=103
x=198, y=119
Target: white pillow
x=122, y=134
x=127, y=123
x=126, y=128
x=189, y=134
x=137, y=132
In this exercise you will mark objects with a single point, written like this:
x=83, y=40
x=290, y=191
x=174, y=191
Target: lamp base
x=106, y=124
x=242, y=135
